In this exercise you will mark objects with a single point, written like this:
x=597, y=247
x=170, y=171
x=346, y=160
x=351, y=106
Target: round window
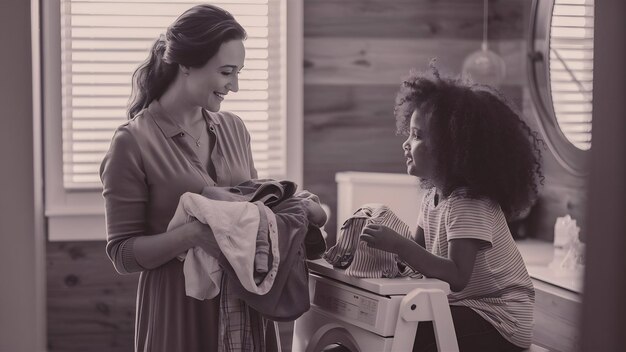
x=561, y=76
x=571, y=68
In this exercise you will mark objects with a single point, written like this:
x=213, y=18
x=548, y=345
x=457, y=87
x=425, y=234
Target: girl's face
x=207, y=85
x=418, y=160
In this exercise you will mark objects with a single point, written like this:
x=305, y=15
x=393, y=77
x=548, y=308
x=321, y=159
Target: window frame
x=78, y=214
x=570, y=157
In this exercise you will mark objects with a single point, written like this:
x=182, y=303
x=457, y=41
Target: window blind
x=571, y=68
x=103, y=42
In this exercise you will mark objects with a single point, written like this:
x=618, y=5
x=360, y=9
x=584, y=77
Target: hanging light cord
x=485, y=20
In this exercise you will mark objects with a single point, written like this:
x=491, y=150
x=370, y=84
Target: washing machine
x=375, y=315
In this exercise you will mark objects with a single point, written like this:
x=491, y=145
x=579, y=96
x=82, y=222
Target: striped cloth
x=356, y=257
x=500, y=289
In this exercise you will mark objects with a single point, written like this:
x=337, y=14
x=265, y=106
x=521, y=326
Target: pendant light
x=484, y=66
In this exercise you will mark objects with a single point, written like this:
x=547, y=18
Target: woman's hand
x=315, y=212
x=306, y=194
x=155, y=250
x=383, y=238
x=202, y=236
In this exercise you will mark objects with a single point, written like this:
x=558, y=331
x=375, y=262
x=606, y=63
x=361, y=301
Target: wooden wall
x=356, y=52
x=557, y=318
x=91, y=308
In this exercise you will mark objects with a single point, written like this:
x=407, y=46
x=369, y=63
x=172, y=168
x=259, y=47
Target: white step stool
x=425, y=305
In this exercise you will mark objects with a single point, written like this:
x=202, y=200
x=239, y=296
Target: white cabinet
x=400, y=192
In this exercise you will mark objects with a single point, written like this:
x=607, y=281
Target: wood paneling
x=459, y=19
x=90, y=306
x=557, y=315
x=367, y=61
x=92, y=342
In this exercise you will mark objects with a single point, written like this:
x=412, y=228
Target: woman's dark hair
x=476, y=139
x=193, y=39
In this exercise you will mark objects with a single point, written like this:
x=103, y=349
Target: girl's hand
x=383, y=238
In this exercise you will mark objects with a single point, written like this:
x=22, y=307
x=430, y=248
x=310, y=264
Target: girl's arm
x=156, y=250
x=456, y=270
x=419, y=237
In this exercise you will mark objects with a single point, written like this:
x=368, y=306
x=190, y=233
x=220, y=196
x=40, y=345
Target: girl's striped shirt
x=500, y=289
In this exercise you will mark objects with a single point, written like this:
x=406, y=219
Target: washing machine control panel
x=346, y=303
x=370, y=311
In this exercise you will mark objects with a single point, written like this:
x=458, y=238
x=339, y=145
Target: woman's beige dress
x=149, y=165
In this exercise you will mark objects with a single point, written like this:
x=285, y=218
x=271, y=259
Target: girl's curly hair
x=476, y=139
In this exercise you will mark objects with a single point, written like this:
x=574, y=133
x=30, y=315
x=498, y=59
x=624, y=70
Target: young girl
x=480, y=163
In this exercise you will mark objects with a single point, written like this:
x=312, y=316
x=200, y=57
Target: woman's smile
x=220, y=96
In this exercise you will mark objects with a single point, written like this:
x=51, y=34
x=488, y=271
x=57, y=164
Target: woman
x=175, y=141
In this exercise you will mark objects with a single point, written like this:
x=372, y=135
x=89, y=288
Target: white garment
x=235, y=226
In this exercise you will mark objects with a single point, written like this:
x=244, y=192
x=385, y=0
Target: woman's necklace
x=197, y=140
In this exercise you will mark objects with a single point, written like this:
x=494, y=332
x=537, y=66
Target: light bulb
x=484, y=66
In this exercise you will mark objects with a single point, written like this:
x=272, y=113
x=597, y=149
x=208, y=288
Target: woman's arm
x=126, y=195
x=156, y=250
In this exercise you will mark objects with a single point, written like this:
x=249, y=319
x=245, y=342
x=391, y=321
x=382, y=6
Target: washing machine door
x=332, y=335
